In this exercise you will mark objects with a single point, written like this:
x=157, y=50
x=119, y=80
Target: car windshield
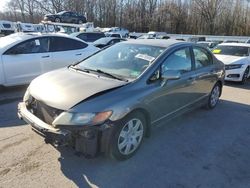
x=123, y=59
x=231, y=50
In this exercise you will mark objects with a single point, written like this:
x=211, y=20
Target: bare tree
x=226, y=17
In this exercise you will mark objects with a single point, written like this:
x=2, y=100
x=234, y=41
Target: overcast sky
x=2, y=4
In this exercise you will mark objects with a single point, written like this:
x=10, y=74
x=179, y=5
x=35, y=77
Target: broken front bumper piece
x=84, y=140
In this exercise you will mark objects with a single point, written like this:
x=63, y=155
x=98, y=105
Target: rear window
x=90, y=37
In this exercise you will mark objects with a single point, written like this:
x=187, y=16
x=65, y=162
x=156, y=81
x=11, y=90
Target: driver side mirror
x=171, y=75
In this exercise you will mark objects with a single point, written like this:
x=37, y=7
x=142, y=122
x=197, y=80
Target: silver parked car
x=109, y=102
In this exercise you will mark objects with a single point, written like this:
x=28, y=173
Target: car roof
x=235, y=44
x=25, y=36
x=7, y=41
x=156, y=42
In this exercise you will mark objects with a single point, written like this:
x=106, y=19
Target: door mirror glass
x=171, y=75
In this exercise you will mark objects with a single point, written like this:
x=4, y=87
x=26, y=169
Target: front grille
x=7, y=25
x=44, y=112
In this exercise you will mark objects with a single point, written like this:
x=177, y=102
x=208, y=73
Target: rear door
x=66, y=51
x=205, y=71
x=23, y=62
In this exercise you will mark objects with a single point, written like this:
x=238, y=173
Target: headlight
x=67, y=118
x=233, y=66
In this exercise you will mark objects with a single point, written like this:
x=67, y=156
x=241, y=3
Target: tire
x=58, y=20
x=245, y=76
x=123, y=141
x=214, y=96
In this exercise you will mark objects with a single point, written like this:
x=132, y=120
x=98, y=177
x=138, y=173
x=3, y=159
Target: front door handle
x=78, y=54
x=46, y=56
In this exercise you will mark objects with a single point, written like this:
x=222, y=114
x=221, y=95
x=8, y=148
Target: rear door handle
x=78, y=54
x=46, y=56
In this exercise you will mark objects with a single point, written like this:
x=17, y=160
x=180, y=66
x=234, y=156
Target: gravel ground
x=197, y=150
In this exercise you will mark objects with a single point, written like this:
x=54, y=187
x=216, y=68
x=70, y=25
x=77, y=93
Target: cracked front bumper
x=85, y=140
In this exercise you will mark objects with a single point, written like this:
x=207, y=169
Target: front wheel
x=214, y=96
x=245, y=76
x=127, y=136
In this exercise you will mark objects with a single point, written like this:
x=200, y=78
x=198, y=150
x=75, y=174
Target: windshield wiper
x=100, y=72
x=75, y=67
x=108, y=74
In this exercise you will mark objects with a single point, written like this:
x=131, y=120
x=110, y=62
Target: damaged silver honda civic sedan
x=108, y=102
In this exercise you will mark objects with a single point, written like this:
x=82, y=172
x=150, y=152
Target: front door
x=173, y=95
x=22, y=63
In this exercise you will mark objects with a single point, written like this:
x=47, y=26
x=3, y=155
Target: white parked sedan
x=236, y=57
x=25, y=56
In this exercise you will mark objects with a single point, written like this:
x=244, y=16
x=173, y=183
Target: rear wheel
x=127, y=137
x=58, y=20
x=214, y=96
x=245, y=76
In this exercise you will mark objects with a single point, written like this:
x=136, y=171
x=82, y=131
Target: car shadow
x=238, y=85
x=9, y=99
x=198, y=149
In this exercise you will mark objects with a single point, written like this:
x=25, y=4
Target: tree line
x=215, y=17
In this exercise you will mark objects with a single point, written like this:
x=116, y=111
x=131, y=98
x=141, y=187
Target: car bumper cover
x=85, y=140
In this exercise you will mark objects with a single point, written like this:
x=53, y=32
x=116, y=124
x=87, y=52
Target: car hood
x=229, y=59
x=64, y=88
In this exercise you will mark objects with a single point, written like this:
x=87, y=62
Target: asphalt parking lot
x=197, y=150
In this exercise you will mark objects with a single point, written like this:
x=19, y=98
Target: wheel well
x=147, y=117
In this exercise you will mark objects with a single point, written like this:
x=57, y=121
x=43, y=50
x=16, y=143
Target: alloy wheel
x=215, y=95
x=130, y=136
x=245, y=75
x=57, y=20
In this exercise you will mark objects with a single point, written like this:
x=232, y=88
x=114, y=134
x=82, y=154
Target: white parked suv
x=24, y=56
x=118, y=30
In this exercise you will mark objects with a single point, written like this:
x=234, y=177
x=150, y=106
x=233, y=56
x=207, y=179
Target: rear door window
x=65, y=44
x=202, y=58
